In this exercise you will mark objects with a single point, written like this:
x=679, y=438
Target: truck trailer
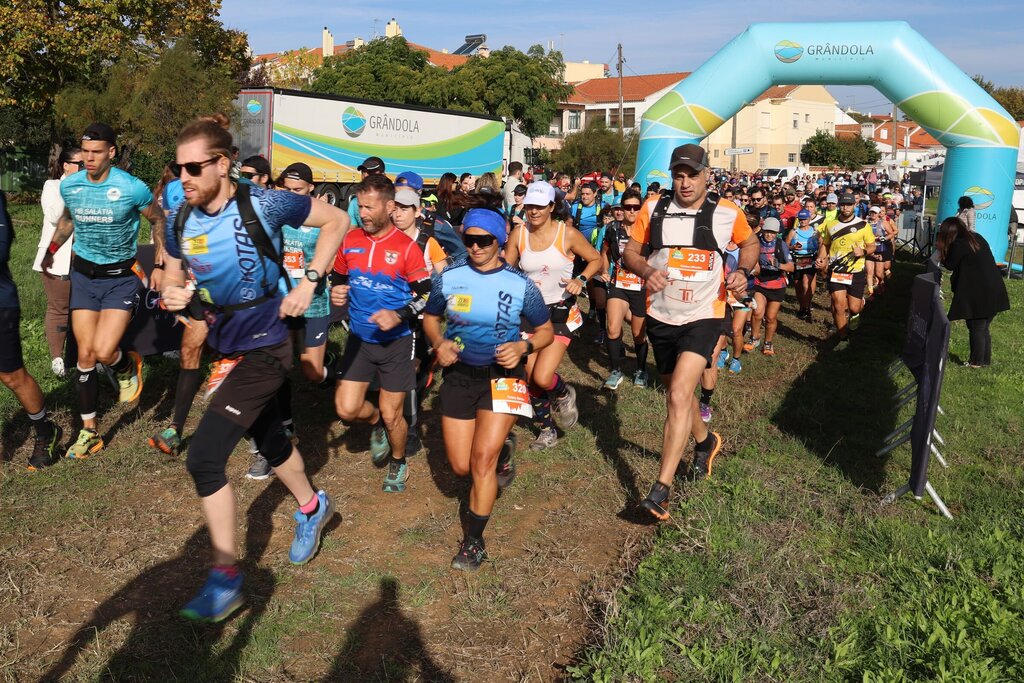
x=333, y=135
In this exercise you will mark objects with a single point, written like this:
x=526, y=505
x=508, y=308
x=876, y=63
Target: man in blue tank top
x=102, y=209
x=230, y=237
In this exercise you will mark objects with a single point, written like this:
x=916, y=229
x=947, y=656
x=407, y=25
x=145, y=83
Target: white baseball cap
x=539, y=193
x=406, y=196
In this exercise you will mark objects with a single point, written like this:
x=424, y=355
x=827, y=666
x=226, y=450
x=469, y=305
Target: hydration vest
x=579, y=215
x=703, y=232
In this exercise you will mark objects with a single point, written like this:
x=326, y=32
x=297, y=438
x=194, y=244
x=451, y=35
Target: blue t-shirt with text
x=106, y=215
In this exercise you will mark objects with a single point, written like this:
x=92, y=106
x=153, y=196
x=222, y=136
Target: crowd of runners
x=475, y=286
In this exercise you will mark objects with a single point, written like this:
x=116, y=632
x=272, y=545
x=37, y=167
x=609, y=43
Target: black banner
x=923, y=294
x=151, y=331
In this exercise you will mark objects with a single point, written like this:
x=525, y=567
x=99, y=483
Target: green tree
x=822, y=149
x=293, y=69
x=1011, y=98
x=525, y=88
x=596, y=148
x=385, y=69
x=145, y=102
x=858, y=151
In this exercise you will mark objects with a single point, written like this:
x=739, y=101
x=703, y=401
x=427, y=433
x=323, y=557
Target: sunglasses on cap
x=194, y=168
x=481, y=241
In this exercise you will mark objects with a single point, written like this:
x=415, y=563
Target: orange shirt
x=696, y=286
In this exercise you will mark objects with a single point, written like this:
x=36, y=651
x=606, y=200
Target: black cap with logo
x=847, y=199
x=372, y=165
x=299, y=171
x=693, y=156
x=101, y=132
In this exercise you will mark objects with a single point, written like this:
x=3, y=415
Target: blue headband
x=485, y=219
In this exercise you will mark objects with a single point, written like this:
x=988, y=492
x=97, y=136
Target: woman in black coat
x=978, y=289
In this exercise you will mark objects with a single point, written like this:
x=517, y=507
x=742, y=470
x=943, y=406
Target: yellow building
x=775, y=126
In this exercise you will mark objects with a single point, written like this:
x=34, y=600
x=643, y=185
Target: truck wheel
x=330, y=193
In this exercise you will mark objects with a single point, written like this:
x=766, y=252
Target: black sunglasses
x=193, y=168
x=79, y=164
x=631, y=207
x=482, y=241
x=246, y=174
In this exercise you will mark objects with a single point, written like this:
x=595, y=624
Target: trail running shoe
x=640, y=378
x=308, y=530
x=470, y=556
x=705, y=412
x=380, y=445
x=854, y=322
x=398, y=473
x=413, y=443
x=57, y=367
x=769, y=349
x=88, y=443
x=129, y=384
x=842, y=344
x=547, y=438
x=723, y=358
x=563, y=409
x=752, y=345
x=703, y=458
x=217, y=600
x=259, y=468
x=44, y=451
x=168, y=441
x=506, y=468
x=735, y=366
x=614, y=380
x=656, y=501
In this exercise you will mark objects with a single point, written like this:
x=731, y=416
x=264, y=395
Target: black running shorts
x=855, y=289
x=637, y=299
x=252, y=384
x=668, y=341
x=467, y=389
x=390, y=363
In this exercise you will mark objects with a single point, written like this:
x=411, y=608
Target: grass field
x=783, y=567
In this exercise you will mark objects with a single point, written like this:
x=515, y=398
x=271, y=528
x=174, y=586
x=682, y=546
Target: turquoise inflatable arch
x=980, y=136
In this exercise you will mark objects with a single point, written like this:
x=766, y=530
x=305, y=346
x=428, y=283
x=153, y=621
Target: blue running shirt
x=299, y=247
x=229, y=271
x=106, y=214
x=483, y=308
x=590, y=222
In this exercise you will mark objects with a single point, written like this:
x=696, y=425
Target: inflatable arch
x=980, y=136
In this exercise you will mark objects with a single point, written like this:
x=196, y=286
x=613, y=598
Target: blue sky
x=980, y=37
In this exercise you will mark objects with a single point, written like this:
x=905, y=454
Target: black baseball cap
x=847, y=199
x=101, y=132
x=520, y=189
x=299, y=171
x=372, y=165
x=694, y=156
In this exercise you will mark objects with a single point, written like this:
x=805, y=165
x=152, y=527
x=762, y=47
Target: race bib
x=803, y=262
x=218, y=373
x=842, y=278
x=510, y=396
x=295, y=264
x=575, y=320
x=625, y=279
x=695, y=265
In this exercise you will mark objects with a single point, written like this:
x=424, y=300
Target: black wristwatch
x=313, y=276
x=529, y=348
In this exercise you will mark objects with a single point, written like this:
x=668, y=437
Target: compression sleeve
x=420, y=293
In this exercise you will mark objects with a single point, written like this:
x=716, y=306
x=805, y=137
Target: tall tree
x=596, y=148
x=385, y=69
x=1011, y=98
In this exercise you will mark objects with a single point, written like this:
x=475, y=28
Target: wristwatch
x=582, y=278
x=313, y=276
x=529, y=348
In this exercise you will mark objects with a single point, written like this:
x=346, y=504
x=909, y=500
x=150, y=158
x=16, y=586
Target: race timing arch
x=980, y=136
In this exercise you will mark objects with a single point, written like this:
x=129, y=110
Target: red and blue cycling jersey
x=381, y=271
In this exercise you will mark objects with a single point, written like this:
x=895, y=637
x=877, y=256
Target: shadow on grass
x=385, y=644
x=163, y=646
x=841, y=406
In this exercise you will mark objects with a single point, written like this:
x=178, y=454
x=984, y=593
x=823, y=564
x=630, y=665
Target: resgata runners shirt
x=380, y=271
x=840, y=239
x=299, y=247
x=106, y=214
x=229, y=271
x=483, y=308
x=688, y=300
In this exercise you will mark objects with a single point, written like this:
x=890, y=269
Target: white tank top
x=547, y=268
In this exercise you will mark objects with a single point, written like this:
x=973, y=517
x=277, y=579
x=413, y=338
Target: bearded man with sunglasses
x=381, y=274
x=102, y=208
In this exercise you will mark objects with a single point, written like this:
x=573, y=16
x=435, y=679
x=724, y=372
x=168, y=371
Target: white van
x=784, y=173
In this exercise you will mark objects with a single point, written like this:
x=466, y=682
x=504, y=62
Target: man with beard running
x=844, y=244
x=238, y=229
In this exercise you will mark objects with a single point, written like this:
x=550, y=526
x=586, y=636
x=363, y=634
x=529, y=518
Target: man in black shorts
x=844, y=244
x=12, y=367
x=686, y=232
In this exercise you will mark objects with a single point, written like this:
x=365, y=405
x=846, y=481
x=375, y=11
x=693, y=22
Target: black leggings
x=981, y=341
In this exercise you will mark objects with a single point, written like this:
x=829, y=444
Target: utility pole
x=621, y=120
x=732, y=160
x=895, y=112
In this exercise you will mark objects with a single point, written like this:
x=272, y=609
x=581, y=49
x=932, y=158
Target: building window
x=792, y=157
x=716, y=153
x=807, y=118
x=531, y=156
x=796, y=121
x=766, y=119
x=628, y=117
x=574, y=120
x=763, y=162
x=596, y=115
x=884, y=133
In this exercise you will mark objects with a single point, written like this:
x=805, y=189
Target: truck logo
x=253, y=106
x=353, y=121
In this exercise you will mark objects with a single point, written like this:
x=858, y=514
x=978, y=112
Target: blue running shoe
x=308, y=530
x=723, y=358
x=217, y=600
x=380, y=444
x=735, y=366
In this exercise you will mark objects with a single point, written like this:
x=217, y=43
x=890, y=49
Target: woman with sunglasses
x=626, y=295
x=481, y=351
x=56, y=280
x=544, y=249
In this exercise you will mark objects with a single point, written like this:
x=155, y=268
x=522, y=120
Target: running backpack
x=703, y=233
x=442, y=231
